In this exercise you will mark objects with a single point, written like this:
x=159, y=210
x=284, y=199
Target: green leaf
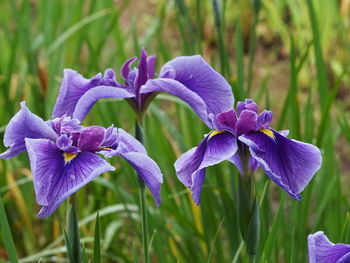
x=6, y=234
x=97, y=246
x=73, y=235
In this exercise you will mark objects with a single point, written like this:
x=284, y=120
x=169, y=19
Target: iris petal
x=195, y=82
x=321, y=250
x=289, y=163
x=190, y=167
x=23, y=125
x=55, y=180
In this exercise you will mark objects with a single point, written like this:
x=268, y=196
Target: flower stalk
x=249, y=219
x=139, y=135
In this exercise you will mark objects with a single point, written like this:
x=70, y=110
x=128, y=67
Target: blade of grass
x=6, y=234
x=97, y=248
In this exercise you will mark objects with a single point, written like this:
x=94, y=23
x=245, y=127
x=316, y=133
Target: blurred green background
x=291, y=56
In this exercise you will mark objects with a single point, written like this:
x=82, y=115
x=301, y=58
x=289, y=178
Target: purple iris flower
x=246, y=136
x=321, y=250
x=64, y=156
x=190, y=78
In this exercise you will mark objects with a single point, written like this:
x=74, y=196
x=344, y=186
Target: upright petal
x=289, y=163
x=91, y=138
x=248, y=104
x=90, y=97
x=55, y=180
x=201, y=79
x=264, y=119
x=151, y=66
x=142, y=75
x=125, y=70
x=225, y=121
x=321, y=250
x=247, y=122
x=23, y=125
x=190, y=167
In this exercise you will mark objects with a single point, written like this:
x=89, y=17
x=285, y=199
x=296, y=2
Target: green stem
x=140, y=136
x=251, y=258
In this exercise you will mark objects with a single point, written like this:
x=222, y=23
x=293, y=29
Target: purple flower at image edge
x=289, y=163
x=321, y=250
x=189, y=77
x=64, y=156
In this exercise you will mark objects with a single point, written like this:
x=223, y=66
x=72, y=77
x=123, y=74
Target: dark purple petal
x=151, y=66
x=87, y=100
x=247, y=122
x=248, y=104
x=264, y=119
x=125, y=70
x=198, y=77
x=321, y=250
x=225, y=121
x=23, y=125
x=220, y=147
x=289, y=163
x=142, y=75
x=55, y=180
x=91, y=138
x=215, y=148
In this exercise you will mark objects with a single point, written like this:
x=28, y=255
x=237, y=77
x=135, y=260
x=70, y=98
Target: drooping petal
x=73, y=86
x=90, y=97
x=190, y=167
x=289, y=163
x=189, y=162
x=91, y=138
x=23, y=125
x=321, y=250
x=220, y=147
x=145, y=167
x=55, y=180
x=114, y=136
x=177, y=89
x=247, y=122
x=225, y=121
x=197, y=76
x=123, y=144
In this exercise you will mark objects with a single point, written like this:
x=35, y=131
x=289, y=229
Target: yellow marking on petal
x=267, y=132
x=214, y=133
x=105, y=149
x=69, y=156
